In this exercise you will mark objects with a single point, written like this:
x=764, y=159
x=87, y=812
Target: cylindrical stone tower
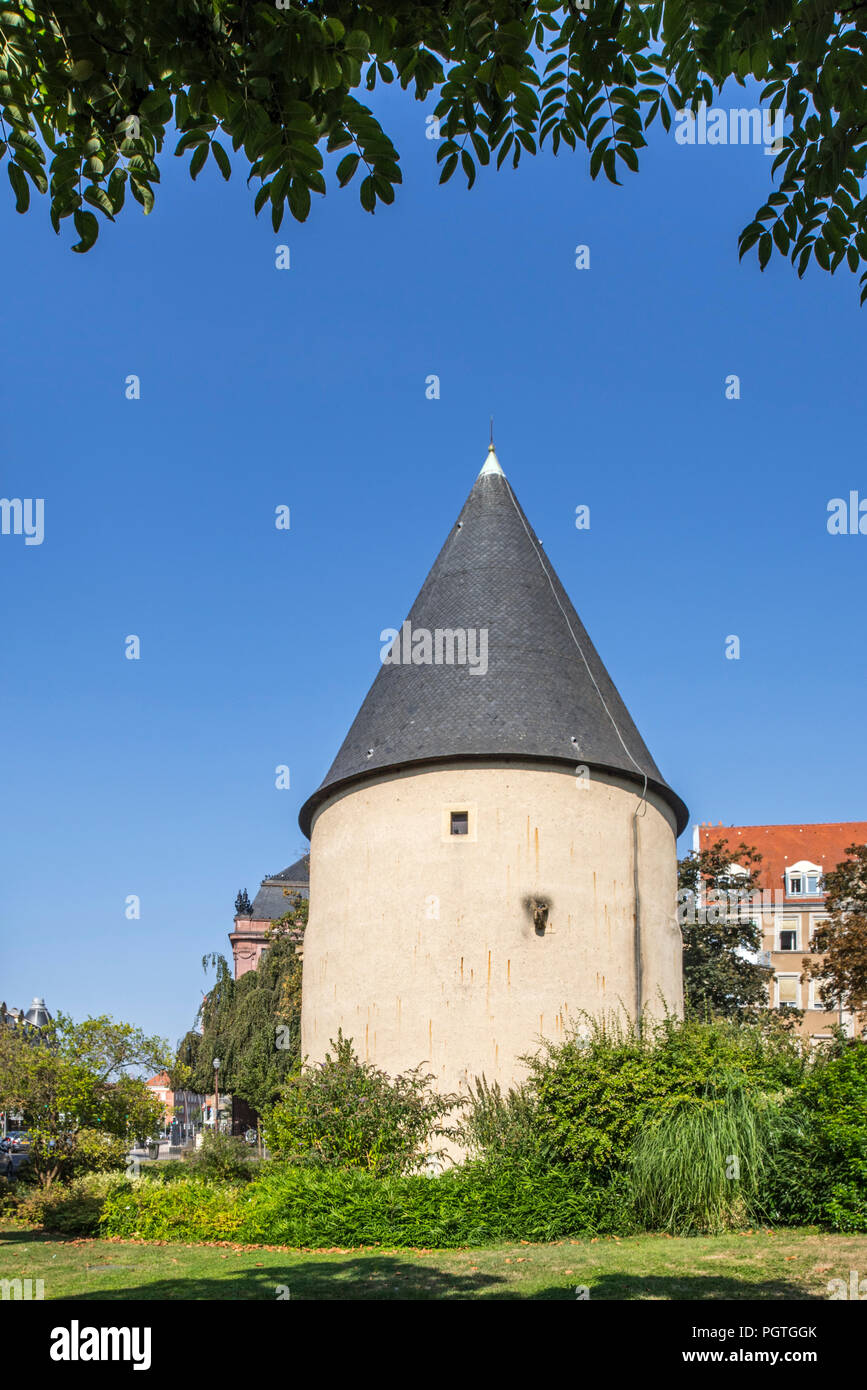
x=493, y=849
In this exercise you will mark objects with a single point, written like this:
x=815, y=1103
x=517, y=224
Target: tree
x=72, y=1083
x=720, y=932
x=841, y=940
x=89, y=89
x=252, y=1024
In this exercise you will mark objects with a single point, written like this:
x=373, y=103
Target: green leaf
x=87, y=227
x=299, y=200
x=449, y=167
x=143, y=193
x=117, y=189
x=765, y=248
x=367, y=193
x=200, y=154
x=222, y=158
x=20, y=187
x=346, y=168
x=99, y=198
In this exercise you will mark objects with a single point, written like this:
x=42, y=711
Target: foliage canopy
x=90, y=88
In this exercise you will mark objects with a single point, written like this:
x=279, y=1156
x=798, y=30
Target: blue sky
x=306, y=387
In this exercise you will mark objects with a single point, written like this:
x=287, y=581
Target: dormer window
x=804, y=880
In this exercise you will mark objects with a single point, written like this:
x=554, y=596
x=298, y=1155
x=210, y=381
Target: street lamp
x=216, y=1093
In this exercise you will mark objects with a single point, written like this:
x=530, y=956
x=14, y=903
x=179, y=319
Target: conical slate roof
x=545, y=693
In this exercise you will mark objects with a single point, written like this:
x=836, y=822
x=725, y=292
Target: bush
x=346, y=1113
x=72, y=1208
x=61, y=1157
x=596, y=1094
x=501, y=1127
x=221, y=1157
x=818, y=1173
x=476, y=1204
x=186, y=1209
x=322, y=1207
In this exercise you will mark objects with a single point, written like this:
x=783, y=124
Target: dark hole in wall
x=538, y=909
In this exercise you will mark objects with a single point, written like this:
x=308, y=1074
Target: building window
x=460, y=823
x=789, y=940
x=804, y=879
x=788, y=992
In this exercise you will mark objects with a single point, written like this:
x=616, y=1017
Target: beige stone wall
x=421, y=945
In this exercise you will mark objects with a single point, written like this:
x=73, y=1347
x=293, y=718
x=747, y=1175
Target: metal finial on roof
x=491, y=463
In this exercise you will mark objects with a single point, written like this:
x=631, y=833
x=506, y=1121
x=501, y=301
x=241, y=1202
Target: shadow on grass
x=387, y=1278
x=683, y=1288
x=380, y=1278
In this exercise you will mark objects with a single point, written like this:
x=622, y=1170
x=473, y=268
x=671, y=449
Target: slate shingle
x=537, y=694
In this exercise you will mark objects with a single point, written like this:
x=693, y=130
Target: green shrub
x=346, y=1113
x=72, y=1208
x=319, y=1206
x=62, y=1156
x=818, y=1171
x=186, y=1209
x=596, y=1094
x=501, y=1127
x=221, y=1157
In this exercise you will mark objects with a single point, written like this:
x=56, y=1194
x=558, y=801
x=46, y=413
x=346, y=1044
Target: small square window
x=460, y=822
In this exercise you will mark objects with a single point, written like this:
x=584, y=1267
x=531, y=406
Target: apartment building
x=795, y=859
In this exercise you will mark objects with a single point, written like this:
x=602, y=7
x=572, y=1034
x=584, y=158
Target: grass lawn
x=792, y=1264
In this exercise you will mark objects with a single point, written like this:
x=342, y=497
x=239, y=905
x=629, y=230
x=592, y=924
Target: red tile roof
x=780, y=845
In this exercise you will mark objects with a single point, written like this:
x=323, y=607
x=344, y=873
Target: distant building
x=183, y=1106
x=795, y=859
x=273, y=900
x=36, y=1016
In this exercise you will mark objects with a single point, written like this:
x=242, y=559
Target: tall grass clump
x=702, y=1170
